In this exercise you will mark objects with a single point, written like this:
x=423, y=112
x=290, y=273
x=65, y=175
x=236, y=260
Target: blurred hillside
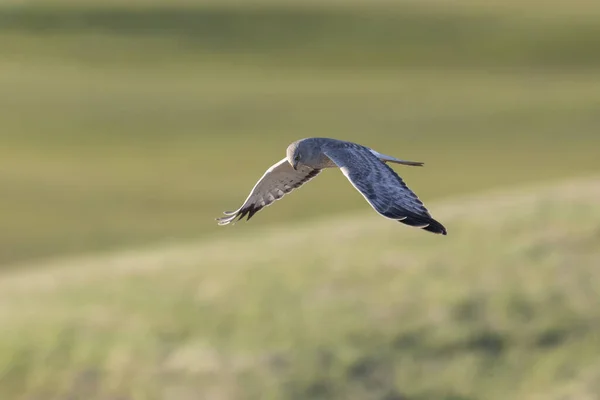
x=140, y=122
x=294, y=34
x=352, y=307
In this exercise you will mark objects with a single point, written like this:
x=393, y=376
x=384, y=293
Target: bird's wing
x=385, y=191
x=277, y=181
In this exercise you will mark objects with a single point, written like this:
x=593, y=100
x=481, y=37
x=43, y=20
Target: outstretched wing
x=277, y=181
x=385, y=191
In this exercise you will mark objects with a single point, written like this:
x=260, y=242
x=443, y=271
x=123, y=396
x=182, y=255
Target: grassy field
x=127, y=127
x=133, y=160
x=140, y=124
x=352, y=307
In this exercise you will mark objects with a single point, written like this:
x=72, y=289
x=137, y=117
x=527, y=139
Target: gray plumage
x=365, y=168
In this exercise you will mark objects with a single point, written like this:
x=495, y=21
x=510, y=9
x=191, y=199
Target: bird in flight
x=365, y=168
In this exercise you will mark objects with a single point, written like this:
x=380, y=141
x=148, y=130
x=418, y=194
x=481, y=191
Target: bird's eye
x=297, y=157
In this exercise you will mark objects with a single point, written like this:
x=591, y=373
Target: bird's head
x=294, y=155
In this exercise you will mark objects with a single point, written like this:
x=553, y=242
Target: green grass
x=404, y=35
x=132, y=125
x=124, y=125
x=103, y=159
x=353, y=307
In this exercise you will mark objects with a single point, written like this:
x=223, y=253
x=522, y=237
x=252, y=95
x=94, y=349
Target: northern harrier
x=365, y=168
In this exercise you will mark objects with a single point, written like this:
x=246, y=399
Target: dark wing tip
x=234, y=216
x=426, y=223
x=252, y=210
x=436, y=227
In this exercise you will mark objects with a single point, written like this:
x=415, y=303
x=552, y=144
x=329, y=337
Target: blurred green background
x=132, y=125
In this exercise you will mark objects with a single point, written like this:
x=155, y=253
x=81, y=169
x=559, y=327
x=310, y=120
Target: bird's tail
x=386, y=158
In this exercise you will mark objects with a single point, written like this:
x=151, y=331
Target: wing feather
x=379, y=184
x=276, y=182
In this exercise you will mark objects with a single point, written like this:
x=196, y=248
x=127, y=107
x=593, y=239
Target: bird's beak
x=295, y=165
